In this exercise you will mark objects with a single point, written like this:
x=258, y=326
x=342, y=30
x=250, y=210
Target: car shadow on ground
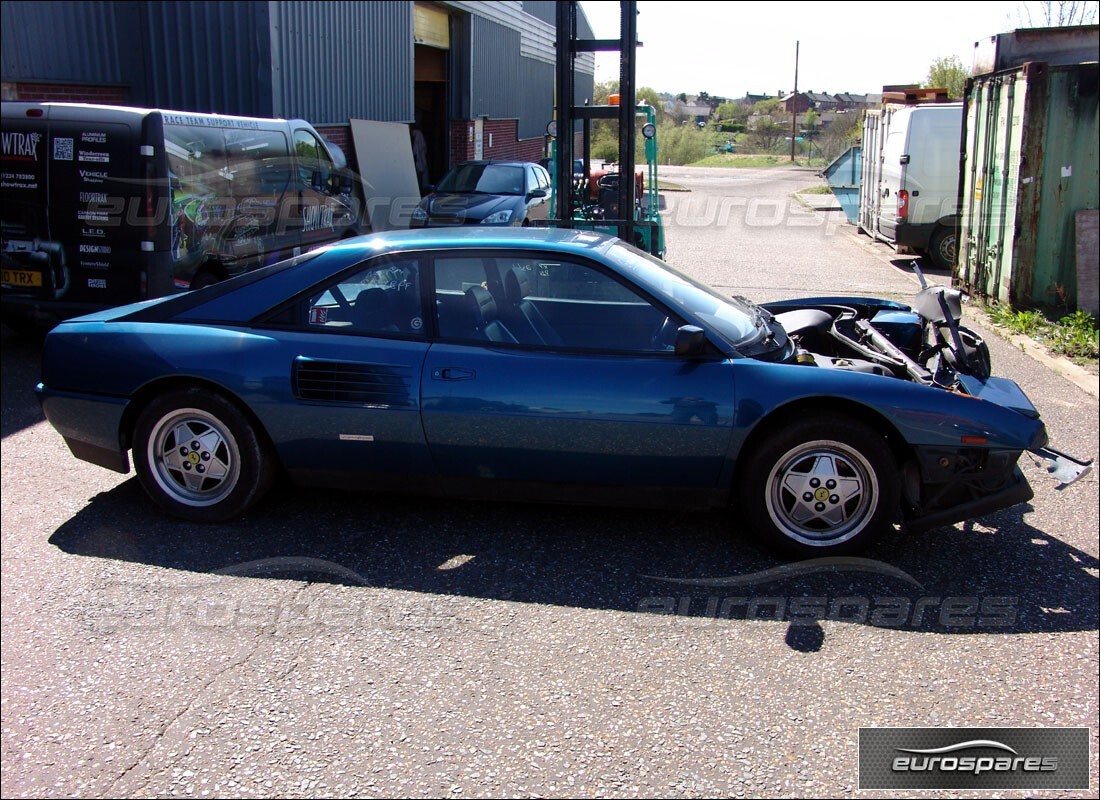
x=19, y=373
x=999, y=575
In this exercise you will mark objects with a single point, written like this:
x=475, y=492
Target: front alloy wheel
x=820, y=486
x=821, y=492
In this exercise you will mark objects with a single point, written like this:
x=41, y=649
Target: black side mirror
x=538, y=193
x=690, y=341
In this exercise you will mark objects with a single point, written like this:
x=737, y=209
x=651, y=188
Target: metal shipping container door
x=1031, y=149
x=870, y=171
x=989, y=202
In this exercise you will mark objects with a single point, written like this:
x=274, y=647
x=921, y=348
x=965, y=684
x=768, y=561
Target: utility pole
x=794, y=102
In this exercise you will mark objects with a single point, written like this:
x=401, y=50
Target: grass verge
x=1074, y=336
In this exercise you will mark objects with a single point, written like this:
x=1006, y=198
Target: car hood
x=467, y=206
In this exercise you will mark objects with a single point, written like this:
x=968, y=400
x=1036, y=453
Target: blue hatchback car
x=545, y=364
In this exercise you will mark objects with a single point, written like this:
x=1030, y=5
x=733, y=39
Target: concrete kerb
x=1077, y=375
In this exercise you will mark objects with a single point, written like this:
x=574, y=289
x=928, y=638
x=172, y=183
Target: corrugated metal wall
x=322, y=61
x=546, y=10
x=507, y=85
x=335, y=61
x=89, y=50
x=211, y=57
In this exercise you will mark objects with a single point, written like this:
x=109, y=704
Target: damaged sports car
x=548, y=365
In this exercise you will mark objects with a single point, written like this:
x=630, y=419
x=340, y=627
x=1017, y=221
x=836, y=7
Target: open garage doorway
x=432, y=36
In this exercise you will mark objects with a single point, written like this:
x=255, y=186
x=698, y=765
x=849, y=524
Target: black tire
x=225, y=475
x=943, y=247
x=822, y=486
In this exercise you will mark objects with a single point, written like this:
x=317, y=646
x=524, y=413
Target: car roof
x=243, y=298
x=500, y=163
x=551, y=239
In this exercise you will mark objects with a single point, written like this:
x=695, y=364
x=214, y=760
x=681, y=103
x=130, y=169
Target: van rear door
x=96, y=194
x=30, y=257
x=68, y=242
x=893, y=149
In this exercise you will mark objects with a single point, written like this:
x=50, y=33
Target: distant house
x=804, y=101
x=821, y=102
x=752, y=99
x=796, y=103
x=846, y=101
x=695, y=112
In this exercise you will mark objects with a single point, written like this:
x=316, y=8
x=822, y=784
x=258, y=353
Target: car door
x=538, y=193
x=600, y=404
x=323, y=213
x=351, y=353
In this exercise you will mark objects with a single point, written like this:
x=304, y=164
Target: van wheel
x=942, y=247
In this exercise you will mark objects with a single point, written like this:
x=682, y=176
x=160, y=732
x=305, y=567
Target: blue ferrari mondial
x=547, y=364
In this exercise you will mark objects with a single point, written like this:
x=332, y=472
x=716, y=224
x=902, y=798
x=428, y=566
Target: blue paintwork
x=515, y=414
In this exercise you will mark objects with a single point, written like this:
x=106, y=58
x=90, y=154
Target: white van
x=916, y=184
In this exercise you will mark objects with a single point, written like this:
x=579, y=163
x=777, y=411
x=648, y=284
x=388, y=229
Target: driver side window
x=562, y=303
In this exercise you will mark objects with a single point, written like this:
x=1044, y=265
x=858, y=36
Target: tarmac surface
x=333, y=644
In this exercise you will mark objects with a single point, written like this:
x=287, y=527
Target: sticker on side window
x=318, y=316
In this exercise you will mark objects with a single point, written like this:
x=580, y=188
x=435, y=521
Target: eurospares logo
x=973, y=758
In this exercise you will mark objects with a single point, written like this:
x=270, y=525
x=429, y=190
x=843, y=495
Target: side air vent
x=349, y=382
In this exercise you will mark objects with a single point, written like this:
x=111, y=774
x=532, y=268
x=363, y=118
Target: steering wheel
x=664, y=338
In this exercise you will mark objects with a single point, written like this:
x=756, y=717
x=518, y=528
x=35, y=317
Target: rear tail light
x=903, y=205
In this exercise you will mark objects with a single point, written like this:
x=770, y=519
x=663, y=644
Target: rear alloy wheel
x=825, y=486
x=199, y=457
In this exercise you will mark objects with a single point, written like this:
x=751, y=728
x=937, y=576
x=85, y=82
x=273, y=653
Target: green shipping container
x=1030, y=139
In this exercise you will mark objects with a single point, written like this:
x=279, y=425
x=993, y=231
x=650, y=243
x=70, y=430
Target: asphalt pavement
x=333, y=644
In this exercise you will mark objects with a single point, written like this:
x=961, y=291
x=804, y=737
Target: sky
x=730, y=49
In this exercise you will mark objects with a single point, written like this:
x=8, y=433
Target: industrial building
x=476, y=77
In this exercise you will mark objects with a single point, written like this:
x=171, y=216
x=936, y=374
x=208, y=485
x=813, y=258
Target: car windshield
x=483, y=179
x=732, y=318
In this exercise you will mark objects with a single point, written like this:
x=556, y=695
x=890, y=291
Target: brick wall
x=65, y=93
x=338, y=134
x=505, y=146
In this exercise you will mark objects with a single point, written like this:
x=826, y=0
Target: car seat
x=529, y=322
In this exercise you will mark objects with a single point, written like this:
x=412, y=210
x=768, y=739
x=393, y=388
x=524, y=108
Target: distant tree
x=603, y=90
x=810, y=120
x=651, y=97
x=947, y=73
x=726, y=110
x=766, y=134
x=1057, y=13
x=843, y=132
x=682, y=97
x=767, y=107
